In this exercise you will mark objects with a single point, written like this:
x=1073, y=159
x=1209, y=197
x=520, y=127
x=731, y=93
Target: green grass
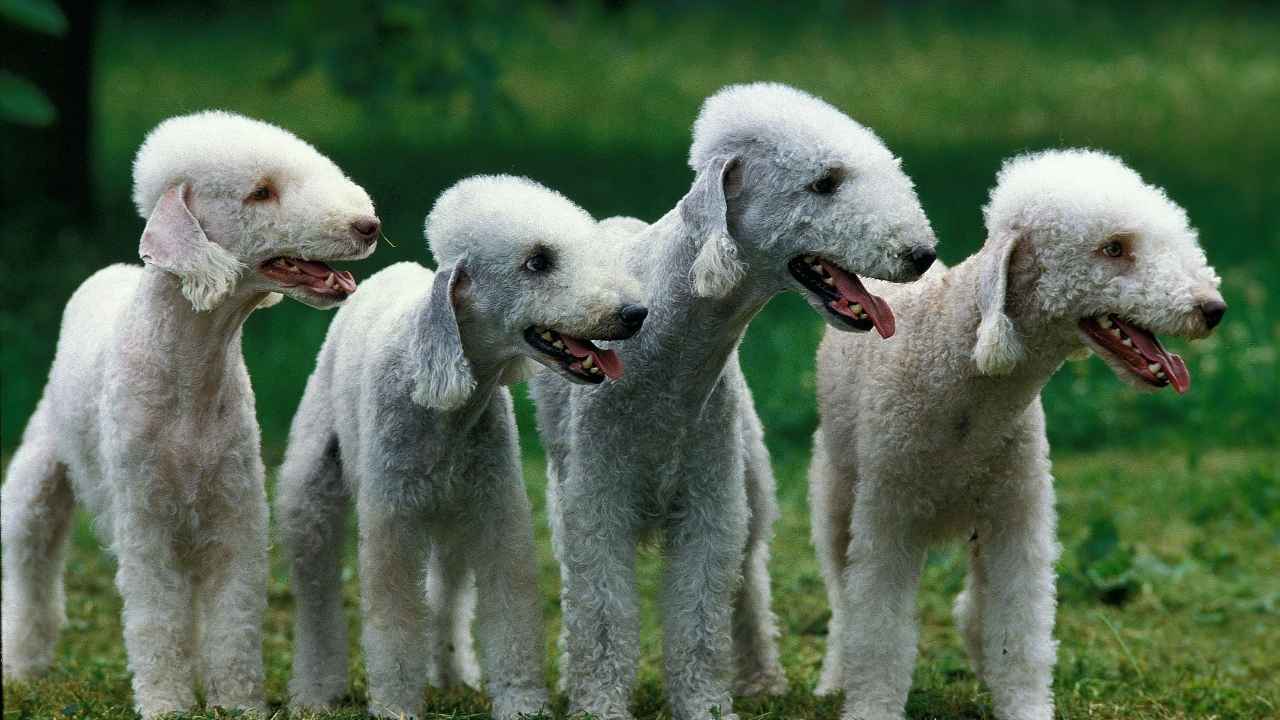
x=1169, y=606
x=1169, y=504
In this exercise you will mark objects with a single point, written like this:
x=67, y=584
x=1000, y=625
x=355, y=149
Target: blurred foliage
x=21, y=101
x=379, y=52
x=602, y=101
x=35, y=15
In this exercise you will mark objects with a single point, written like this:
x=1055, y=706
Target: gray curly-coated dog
x=406, y=413
x=789, y=194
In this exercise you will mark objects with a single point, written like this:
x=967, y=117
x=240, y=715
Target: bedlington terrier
x=940, y=433
x=426, y=444
x=148, y=418
x=789, y=194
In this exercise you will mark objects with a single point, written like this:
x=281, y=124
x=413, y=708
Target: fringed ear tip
x=998, y=348
x=445, y=388
x=717, y=269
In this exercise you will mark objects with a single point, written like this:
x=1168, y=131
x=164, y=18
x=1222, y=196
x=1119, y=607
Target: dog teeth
x=588, y=362
x=1105, y=323
x=1153, y=367
x=856, y=309
x=1115, y=331
x=331, y=281
x=546, y=335
x=828, y=280
x=1161, y=375
x=1127, y=342
x=558, y=344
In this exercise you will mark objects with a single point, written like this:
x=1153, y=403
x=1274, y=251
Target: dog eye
x=261, y=193
x=1113, y=249
x=537, y=263
x=825, y=185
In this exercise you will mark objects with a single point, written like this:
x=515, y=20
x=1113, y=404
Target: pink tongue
x=1174, y=368
x=607, y=360
x=853, y=291
x=321, y=271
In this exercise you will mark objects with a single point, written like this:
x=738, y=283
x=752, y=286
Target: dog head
x=524, y=273
x=1079, y=245
x=791, y=193
x=237, y=205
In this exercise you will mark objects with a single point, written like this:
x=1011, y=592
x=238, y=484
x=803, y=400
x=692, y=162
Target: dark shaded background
x=596, y=99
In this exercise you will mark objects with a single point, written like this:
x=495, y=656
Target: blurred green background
x=1170, y=504
x=597, y=101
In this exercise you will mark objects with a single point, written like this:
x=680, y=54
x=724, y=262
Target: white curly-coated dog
x=148, y=418
x=790, y=194
x=406, y=414
x=939, y=433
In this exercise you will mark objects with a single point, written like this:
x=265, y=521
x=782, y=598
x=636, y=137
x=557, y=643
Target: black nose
x=922, y=257
x=1213, y=310
x=633, y=315
x=366, y=228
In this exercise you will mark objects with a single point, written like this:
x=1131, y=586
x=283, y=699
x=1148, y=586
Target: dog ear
x=444, y=379
x=999, y=348
x=705, y=211
x=174, y=242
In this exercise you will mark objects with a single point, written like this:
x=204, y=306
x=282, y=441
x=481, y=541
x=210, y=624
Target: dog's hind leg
x=830, y=511
x=967, y=610
x=311, y=509
x=451, y=599
x=755, y=628
x=35, y=506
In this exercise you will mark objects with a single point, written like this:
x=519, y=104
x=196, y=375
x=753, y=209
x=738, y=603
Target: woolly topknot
x=209, y=145
x=485, y=208
x=781, y=116
x=1069, y=190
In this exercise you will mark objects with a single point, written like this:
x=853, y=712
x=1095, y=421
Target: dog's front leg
x=704, y=547
x=601, y=616
x=233, y=600
x=393, y=557
x=882, y=576
x=158, y=620
x=1014, y=556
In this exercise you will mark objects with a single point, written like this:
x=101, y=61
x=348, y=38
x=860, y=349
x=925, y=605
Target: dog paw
x=765, y=682
x=514, y=704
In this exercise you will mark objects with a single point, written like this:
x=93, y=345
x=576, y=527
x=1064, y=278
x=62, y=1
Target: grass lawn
x=1169, y=606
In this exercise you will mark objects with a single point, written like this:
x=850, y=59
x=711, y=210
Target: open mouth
x=1139, y=350
x=313, y=275
x=577, y=356
x=843, y=294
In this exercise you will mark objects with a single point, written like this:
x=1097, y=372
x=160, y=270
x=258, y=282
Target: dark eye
x=1113, y=249
x=261, y=193
x=537, y=263
x=825, y=185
